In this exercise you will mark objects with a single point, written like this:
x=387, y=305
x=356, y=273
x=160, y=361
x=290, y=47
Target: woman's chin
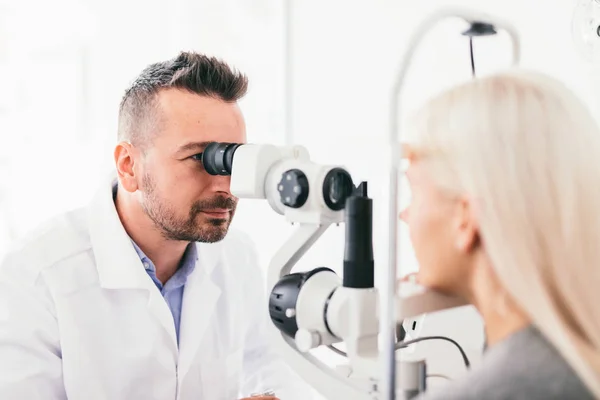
x=434, y=283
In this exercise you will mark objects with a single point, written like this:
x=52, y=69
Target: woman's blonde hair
x=526, y=151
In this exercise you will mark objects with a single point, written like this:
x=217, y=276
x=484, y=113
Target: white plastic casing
x=252, y=164
x=312, y=303
x=258, y=169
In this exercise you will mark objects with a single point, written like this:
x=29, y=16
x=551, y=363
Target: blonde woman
x=505, y=211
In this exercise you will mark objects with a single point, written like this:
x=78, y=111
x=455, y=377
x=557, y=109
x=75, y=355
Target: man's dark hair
x=193, y=72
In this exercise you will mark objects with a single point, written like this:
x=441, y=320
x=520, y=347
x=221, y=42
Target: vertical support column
x=288, y=64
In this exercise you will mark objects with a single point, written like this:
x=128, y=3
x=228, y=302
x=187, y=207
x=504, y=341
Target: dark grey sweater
x=525, y=366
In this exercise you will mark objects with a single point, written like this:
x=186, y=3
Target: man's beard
x=187, y=229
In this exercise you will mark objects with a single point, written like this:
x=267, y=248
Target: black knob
x=293, y=188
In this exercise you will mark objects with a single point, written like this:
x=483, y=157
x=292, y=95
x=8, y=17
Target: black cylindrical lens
x=337, y=187
x=218, y=157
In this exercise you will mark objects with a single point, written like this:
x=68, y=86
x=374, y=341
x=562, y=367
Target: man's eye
x=197, y=157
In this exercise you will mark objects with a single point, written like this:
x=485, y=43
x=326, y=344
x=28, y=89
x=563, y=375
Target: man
x=146, y=294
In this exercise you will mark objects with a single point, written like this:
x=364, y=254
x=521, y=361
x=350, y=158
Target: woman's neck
x=501, y=315
x=500, y=326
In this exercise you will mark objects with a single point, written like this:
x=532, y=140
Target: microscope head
x=294, y=186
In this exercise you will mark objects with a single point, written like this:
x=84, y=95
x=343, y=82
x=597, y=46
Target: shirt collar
x=187, y=264
x=148, y=265
x=189, y=259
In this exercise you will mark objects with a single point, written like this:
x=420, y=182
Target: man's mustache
x=226, y=203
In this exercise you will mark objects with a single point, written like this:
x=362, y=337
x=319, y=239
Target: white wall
x=63, y=75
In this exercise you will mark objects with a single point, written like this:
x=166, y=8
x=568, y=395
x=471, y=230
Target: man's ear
x=466, y=226
x=125, y=160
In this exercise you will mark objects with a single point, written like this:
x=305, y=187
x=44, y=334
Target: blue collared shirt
x=172, y=290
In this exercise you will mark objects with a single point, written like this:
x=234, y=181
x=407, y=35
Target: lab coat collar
x=118, y=264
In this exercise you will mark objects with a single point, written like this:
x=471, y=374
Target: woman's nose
x=404, y=214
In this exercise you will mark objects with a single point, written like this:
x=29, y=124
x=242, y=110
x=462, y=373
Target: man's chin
x=213, y=230
x=213, y=235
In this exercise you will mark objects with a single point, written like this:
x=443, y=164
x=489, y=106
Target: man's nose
x=221, y=183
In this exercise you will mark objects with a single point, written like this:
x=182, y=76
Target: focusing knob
x=307, y=340
x=293, y=188
x=283, y=299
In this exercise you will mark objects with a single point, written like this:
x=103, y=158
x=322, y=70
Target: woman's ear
x=466, y=227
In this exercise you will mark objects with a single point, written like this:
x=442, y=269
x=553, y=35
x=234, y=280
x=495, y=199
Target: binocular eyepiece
x=217, y=157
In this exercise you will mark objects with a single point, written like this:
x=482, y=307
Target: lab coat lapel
x=117, y=262
x=200, y=298
x=118, y=265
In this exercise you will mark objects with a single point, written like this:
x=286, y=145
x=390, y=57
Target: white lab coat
x=81, y=319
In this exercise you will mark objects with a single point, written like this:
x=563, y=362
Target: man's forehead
x=189, y=117
x=184, y=105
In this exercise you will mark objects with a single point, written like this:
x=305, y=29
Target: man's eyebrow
x=196, y=146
